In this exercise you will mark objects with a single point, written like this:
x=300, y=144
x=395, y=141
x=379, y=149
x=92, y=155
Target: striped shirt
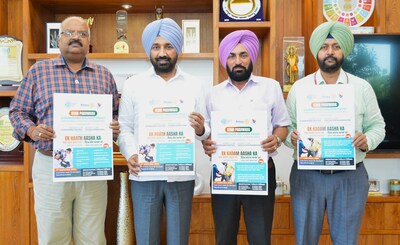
x=33, y=102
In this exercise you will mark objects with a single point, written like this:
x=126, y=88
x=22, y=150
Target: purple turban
x=245, y=37
x=166, y=28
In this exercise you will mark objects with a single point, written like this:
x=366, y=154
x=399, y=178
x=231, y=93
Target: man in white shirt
x=244, y=91
x=162, y=40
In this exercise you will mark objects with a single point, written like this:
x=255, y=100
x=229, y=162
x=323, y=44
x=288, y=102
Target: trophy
x=90, y=21
x=293, y=61
x=159, y=12
x=121, y=46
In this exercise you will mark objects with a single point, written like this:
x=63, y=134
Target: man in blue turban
x=342, y=194
x=164, y=85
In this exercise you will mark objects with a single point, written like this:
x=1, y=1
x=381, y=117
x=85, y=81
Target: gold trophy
x=159, y=12
x=90, y=21
x=121, y=46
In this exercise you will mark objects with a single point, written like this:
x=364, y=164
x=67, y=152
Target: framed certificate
x=10, y=60
x=247, y=10
x=7, y=141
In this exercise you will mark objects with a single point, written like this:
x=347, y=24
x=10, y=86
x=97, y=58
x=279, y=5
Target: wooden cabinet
x=380, y=225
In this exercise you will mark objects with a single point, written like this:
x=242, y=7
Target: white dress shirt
x=137, y=91
x=259, y=94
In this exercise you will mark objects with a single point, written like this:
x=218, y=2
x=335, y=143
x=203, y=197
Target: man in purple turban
x=244, y=91
x=153, y=187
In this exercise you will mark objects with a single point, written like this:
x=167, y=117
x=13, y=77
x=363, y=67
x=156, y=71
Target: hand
x=360, y=141
x=42, y=132
x=133, y=165
x=114, y=125
x=294, y=137
x=209, y=146
x=197, y=122
x=270, y=144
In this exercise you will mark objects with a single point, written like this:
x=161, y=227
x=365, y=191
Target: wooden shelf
x=384, y=154
x=8, y=91
x=260, y=28
x=42, y=56
x=111, y=6
x=119, y=159
x=10, y=166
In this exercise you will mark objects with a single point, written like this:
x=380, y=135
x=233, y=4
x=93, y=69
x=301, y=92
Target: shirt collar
x=342, y=79
x=177, y=74
x=60, y=61
x=250, y=81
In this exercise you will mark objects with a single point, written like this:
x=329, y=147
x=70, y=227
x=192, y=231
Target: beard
x=330, y=68
x=241, y=75
x=164, y=64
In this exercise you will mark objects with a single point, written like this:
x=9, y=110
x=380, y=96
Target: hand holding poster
x=239, y=166
x=82, y=149
x=166, y=139
x=326, y=125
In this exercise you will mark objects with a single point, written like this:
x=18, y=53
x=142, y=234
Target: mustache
x=238, y=66
x=76, y=42
x=162, y=58
x=331, y=56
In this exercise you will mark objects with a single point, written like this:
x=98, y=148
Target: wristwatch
x=366, y=150
x=278, y=140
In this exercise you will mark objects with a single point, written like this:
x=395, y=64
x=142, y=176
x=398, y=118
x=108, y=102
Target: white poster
x=83, y=146
x=166, y=139
x=326, y=124
x=239, y=165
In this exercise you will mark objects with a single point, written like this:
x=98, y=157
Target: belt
x=46, y=153
x=336, y=171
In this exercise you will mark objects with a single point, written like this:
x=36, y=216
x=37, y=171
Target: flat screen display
x=376, y=58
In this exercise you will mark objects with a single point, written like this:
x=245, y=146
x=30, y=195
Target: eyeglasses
x=82, y=34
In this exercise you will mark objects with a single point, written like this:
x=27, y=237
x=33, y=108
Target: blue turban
x=166, y=28
x=247, y=38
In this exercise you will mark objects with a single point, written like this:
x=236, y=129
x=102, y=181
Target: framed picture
x=232, y=10
x=374, y=185
x=191, y=36
x=52, y=32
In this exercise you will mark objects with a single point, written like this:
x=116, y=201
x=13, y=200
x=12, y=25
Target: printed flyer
x=326, y=124
x=82, y=149
x=239, y=165
x=166, y=139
